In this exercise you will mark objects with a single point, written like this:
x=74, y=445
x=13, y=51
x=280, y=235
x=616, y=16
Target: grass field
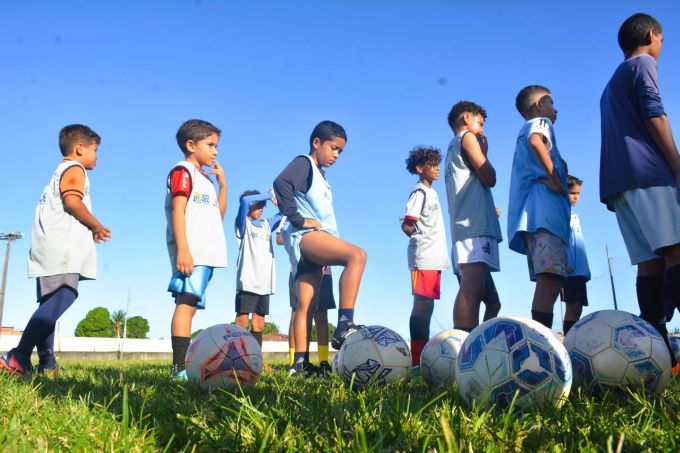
x=135, y=406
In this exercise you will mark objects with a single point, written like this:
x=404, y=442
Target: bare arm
x=185, y=262
x=72, y=186
x=222, y=194
x=408, y=226
x=660, y=130
x=476, y=156
x=543, y=157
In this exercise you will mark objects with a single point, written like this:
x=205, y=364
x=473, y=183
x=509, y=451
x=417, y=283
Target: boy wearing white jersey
x=475, y=230
x=62, y=248
x=538, y=212
x=427, y=250
x=195, y=236
x=256, y=272
x=574, y=291
x=312, y=241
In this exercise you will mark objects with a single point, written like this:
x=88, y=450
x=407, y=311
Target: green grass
x=134, y=406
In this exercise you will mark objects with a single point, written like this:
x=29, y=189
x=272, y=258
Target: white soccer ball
x=674, y=340
x=512, y=355
x=374, y=355
x=614, y=349
x=334, y=364
x=438, y=359
x=224, y=355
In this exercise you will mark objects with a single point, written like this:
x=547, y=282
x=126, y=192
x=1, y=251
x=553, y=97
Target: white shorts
x=649, y=219
x=479, y=249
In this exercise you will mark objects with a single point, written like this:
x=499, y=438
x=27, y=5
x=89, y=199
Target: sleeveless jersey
x=576, y=255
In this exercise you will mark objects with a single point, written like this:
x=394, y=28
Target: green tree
x=269, y=327
x=97, y=323
x=117, y=320
x=195, y=334
x=137, y=327
x=331, y=329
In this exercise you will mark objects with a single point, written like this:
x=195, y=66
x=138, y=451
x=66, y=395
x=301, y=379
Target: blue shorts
x=195, y=284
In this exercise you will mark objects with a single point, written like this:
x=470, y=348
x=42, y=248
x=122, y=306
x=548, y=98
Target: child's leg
x=42, y=323
x=466, y=307
x=571, y=315
x=180, y=328
x=419, y=325
x=492, y=302
x=671, y=256
x=242, y=319
x=46, y=352
x=321, y=322
x=546, y=292
x=308, y=286
x=291, y=338
x=257, y=327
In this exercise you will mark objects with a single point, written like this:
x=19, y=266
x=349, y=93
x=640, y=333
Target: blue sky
x=266, y=73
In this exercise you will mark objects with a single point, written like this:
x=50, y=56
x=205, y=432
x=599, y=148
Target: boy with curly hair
x=424, y=224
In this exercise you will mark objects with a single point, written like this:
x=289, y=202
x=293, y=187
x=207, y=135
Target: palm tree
x=118, y=319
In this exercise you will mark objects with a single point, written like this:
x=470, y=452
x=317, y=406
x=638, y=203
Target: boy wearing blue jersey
x=256, y=272
x=311, y=237
x=574, y=292
x=538, y=211
x=194, y=235
x=62, y=248
x=640, y=168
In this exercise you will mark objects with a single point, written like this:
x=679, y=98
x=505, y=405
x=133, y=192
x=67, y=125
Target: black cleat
x=339, y=336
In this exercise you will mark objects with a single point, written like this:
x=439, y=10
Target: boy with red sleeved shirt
x=195, y=235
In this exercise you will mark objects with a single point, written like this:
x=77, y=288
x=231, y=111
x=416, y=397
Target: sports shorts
x=195, y=284
x=546, y=254
x=326, y=298
x=252, y=303
x=479, y=249
x=48, y=285
x=649, y=219
x=293, y=292
x=426, y=283
x=574, y=291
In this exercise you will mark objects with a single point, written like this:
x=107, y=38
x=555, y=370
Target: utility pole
x=9, y=237
x=611, y=277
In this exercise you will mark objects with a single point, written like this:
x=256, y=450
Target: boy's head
x=466, y=115
x=424, y=161
x=327, y=141
x=80, y=143
x=199, y=138
x=641, y=31
x=535, y=101
x=255, y=209
x=574, y=184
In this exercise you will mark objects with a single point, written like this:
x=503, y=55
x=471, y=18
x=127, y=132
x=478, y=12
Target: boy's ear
x=79, y=149
x=316, y=143
x=466, y=117
x=190, y=145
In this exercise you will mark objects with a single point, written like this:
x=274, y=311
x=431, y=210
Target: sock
x=345, y=316
x=673, y=284
x=299, y=361
x=567, y=325
x=41, y=325
x=179, y=351
x=650, y=300
x=291, y=356
x=416, y=350
x=544, y=318
x=420, y=332
x=465, y=329
x=258, y=337
x=323, y=353
x=46, y=351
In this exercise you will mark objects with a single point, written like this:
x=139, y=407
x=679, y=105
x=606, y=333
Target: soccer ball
x=438, y=359
x=614, y=349
x=374, y=354
x=674, y=340
x=334, y=364
x=505, y=356
x=225, y=356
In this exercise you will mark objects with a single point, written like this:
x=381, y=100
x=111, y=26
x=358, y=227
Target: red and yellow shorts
x=426, y=283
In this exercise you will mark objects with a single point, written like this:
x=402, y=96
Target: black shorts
x=252, y=303
x=293, y=292
x=574, y=291
x=326, y=298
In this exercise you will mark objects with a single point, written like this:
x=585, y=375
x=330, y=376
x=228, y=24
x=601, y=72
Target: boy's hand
x=219, y=172
x=311, y=224
x=483, y=143
x=275, y=202
x=555, y=186
x=185, y=262
x=100, y=233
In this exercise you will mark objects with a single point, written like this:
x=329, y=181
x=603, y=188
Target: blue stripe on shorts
x=195, y=284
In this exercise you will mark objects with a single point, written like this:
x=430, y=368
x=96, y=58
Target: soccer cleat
x=325, y=369
x=178, y=374
x=339, y=336
x=309, y=371
x=675, y=370
x=13, y=364
x=49, y=367
x=415, y=370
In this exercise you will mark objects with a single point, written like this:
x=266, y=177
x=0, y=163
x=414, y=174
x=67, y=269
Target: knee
x=359, y=256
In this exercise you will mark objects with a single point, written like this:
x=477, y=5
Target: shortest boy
x=427, y=250
x=62, y=248
x=256, y=273
x=195, y=236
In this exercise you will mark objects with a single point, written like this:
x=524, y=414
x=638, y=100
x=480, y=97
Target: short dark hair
x=522, y=101
x=248, y=192
x=422, y=155
x=327, y=130
x=634, y=30
x=194, y=130
x=573, y=181
x=464, y=107
x=71, y=135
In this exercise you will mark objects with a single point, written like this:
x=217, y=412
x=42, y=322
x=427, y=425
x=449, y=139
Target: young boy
x=311, y=237
x=475, y=230
x=256, y=272
x=640, y=168
x=427, y=250
x=538, y=212
x=195, y=236
x=574, y=292
x=62, y=248
x=325, y=301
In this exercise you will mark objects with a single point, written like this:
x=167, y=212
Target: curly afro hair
x=422, y=155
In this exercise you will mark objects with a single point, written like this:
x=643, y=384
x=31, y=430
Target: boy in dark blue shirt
x=640, y=168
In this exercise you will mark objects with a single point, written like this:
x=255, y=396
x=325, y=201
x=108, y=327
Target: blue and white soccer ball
x=334, y=364
x=375, y=355
x=510, y=355
x=674, y=340
x=224, y=355
x=438, y=359
x=614, y=349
